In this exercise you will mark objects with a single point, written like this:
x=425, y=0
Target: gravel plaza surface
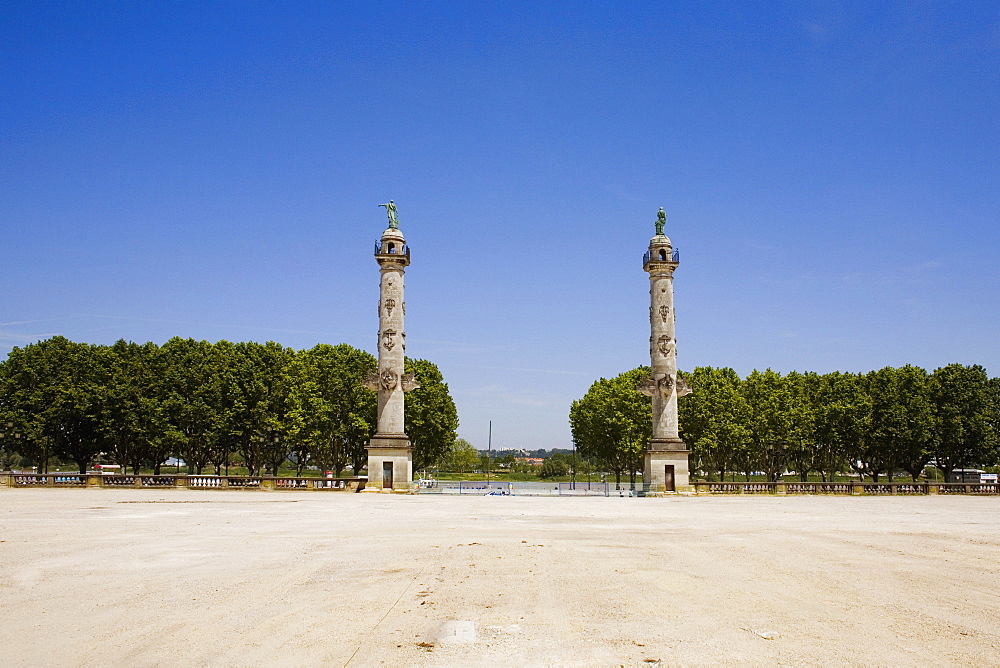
x=179, y=577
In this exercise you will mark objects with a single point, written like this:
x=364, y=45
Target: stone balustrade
x=855, y=488
x=83, y=480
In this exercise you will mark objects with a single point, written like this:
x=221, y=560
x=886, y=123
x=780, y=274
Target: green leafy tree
x=190, y=391
x=965, y=426
x=555, y=466
x=460, y=457
x=843, y=410
x=902, y=420
x=131, y=419
x=52, y=391
x=430, y=414
x=803, y=452
x=612, y=423
x=713, y=420
x=21, y=403
x=331, y=416
x=772, y=422
x=252, y=402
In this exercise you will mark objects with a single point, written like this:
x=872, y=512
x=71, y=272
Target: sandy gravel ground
x=180, y=577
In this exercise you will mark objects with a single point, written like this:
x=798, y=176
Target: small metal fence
x=515, y=488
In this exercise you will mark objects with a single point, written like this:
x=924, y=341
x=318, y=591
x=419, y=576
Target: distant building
x=534, y=461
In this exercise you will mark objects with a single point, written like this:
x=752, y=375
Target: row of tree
x=462, y=457
x=874, y=424
x=141, y=404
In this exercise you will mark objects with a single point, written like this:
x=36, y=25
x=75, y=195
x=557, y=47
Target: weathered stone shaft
x=663, y=350
x=391, y=349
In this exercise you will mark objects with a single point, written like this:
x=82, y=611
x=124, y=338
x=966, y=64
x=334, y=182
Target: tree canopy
x=207, y=404
x=875, y=424
x=612, y=423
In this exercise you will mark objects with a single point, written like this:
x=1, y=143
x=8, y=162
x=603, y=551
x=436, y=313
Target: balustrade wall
x=27, y=480
x=98, y=480
x=855, y=488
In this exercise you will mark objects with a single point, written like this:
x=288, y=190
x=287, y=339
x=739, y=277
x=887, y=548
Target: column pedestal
x=389, y=454
x=666, y=466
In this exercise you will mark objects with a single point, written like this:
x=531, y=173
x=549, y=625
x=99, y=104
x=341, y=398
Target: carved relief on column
x=664, y=344
x=408, y=382
x=387, y=339
x=390, y=304
x=663, y=387
x=388, y=380
x=664, y=312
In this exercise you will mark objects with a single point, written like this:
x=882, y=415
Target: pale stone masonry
x=666, y=458
x=390, y=455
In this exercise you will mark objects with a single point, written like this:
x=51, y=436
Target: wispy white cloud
x=19, y=337
x=32, y=322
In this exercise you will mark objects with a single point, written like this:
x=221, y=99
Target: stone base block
x=390, y=462
x=666, y=466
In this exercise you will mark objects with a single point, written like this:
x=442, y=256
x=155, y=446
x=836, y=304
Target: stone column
x=389, y=451
x=666, y=458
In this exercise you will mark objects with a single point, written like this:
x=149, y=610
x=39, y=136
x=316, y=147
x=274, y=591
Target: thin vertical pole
x=573, y=484
x=489, y=453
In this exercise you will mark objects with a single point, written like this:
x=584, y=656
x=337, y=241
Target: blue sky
x=211, y=170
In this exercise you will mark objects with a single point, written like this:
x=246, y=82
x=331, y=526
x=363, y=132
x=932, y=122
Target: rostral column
x=390, y=455
x=666, y=457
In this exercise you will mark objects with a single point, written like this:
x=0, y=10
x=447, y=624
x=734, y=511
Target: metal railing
x=675, y=257
x=404, y=250
x=515, y=488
